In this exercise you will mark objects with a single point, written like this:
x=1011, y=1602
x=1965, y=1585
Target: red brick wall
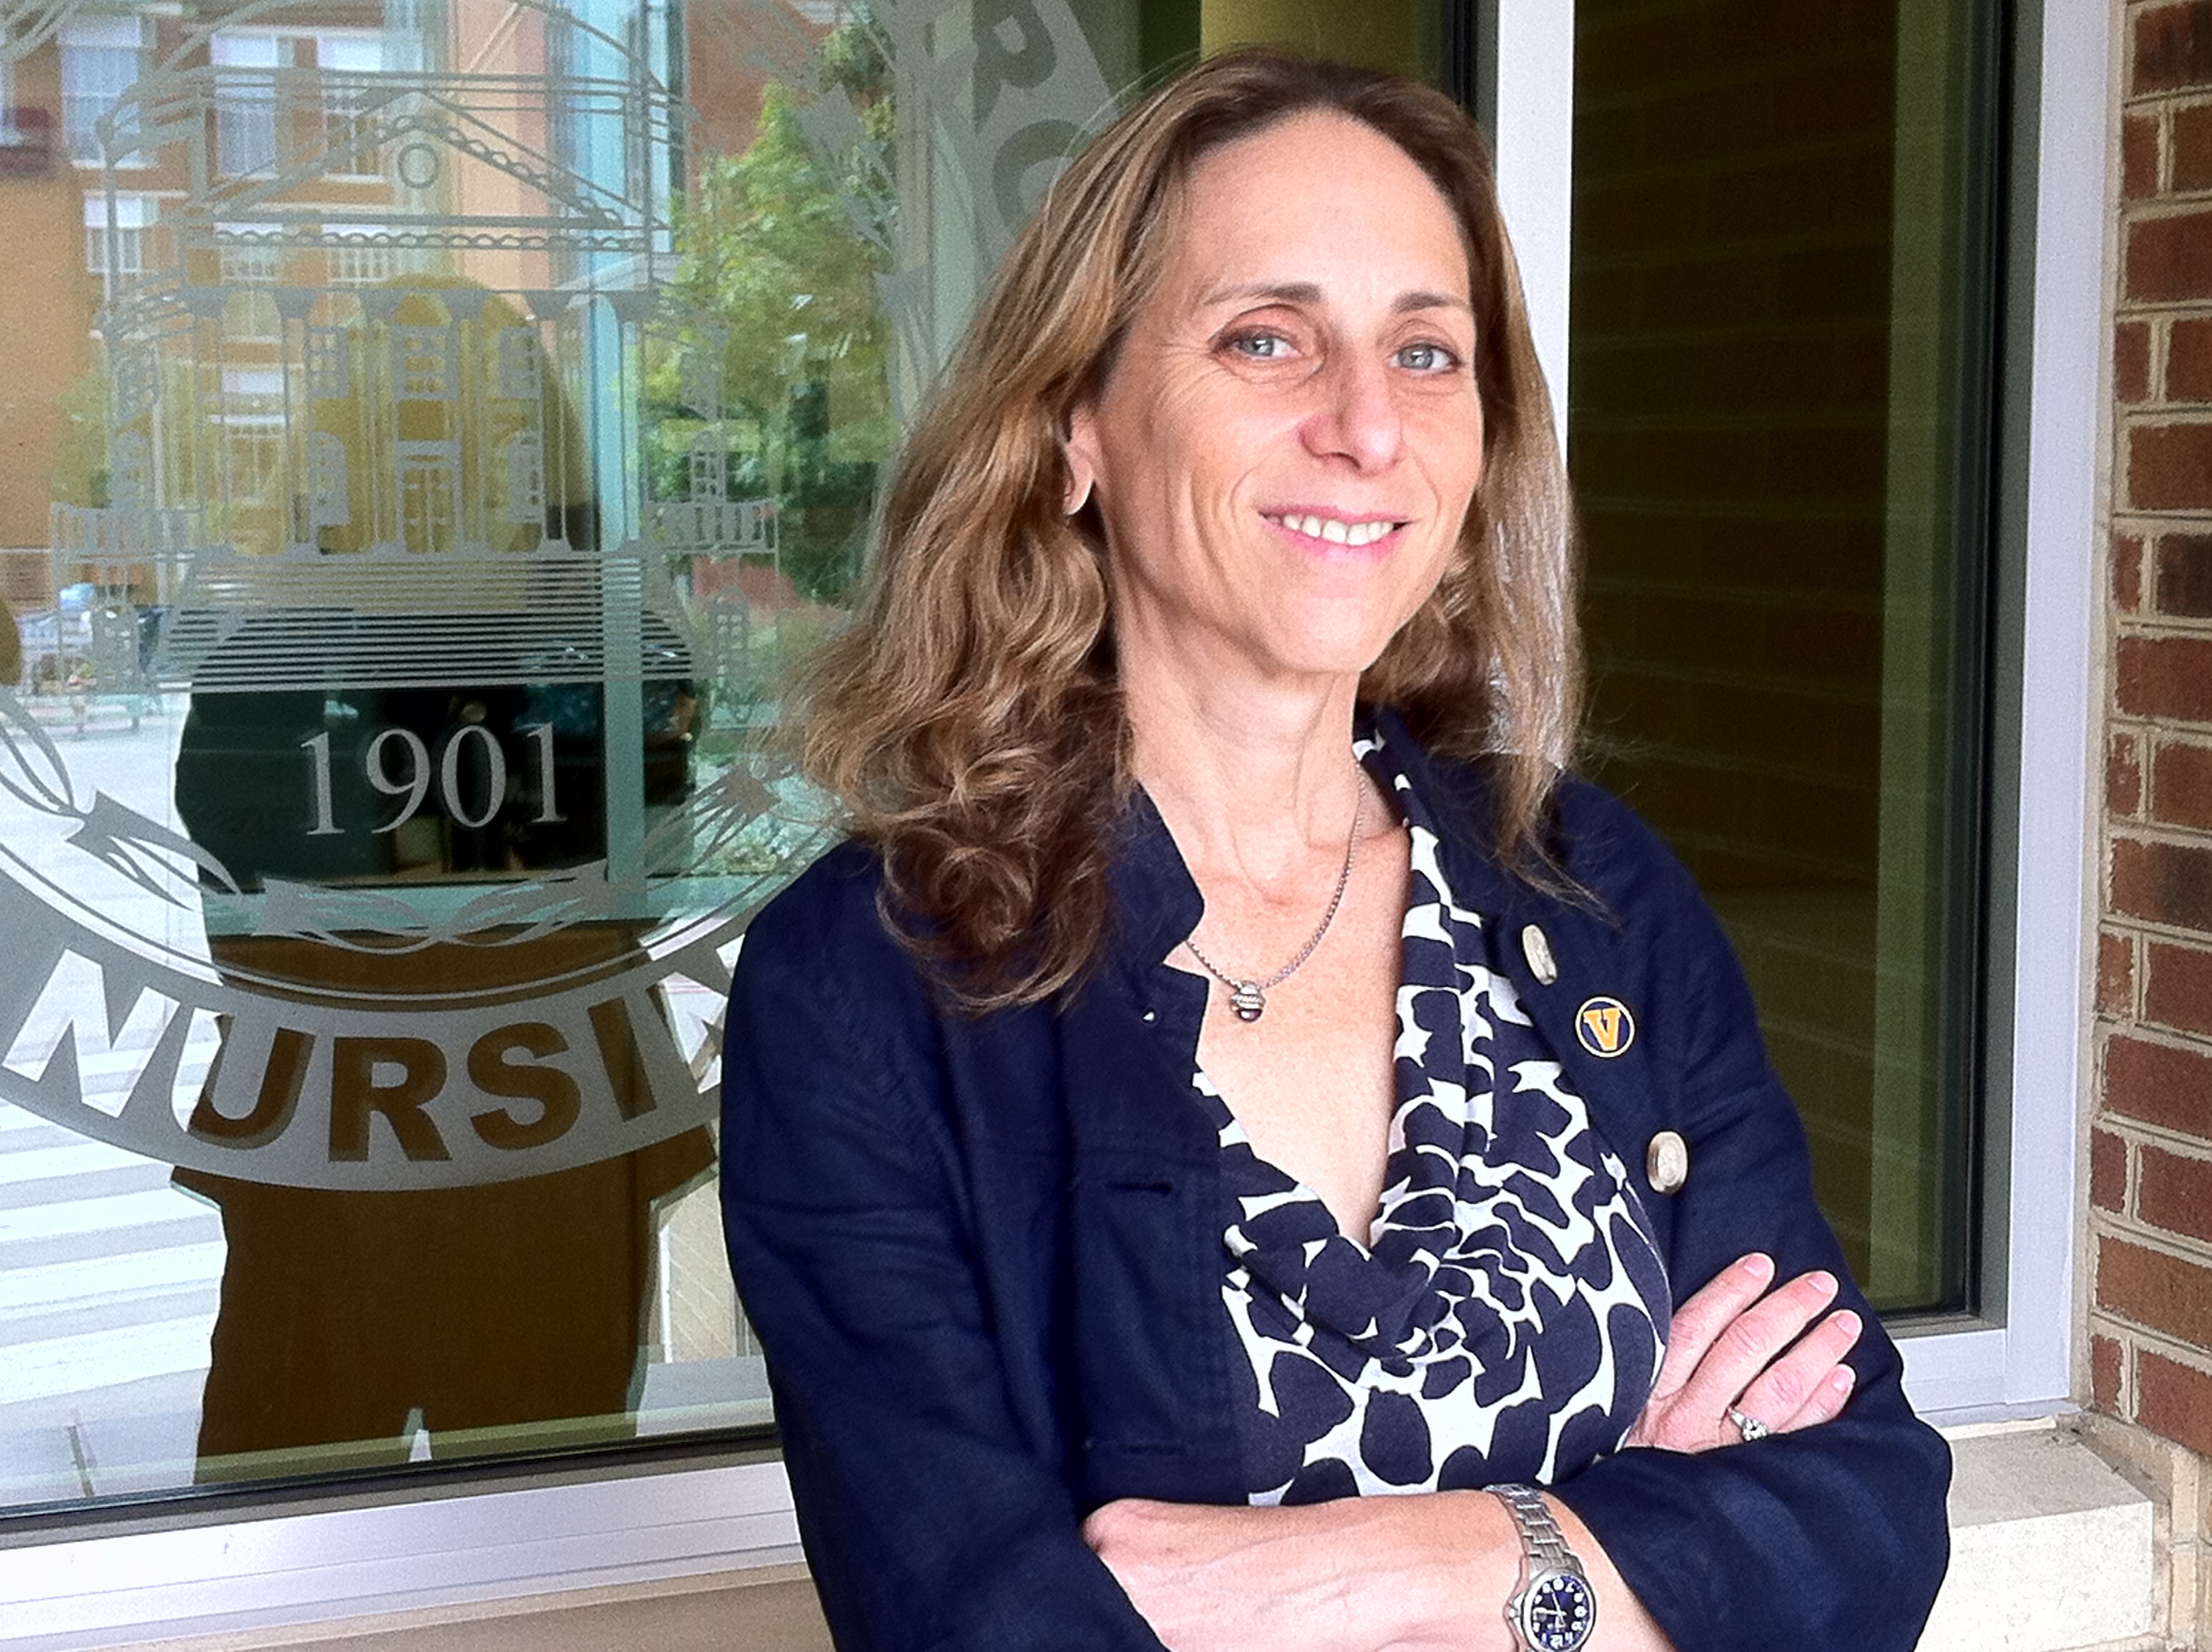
x=2150, y=1169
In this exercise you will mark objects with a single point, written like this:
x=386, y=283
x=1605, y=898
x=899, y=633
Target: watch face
x=1558, y=1612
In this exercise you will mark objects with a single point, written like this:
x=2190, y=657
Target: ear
x=1081, y=448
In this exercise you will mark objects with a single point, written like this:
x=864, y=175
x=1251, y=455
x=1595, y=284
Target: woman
x=1233, y=1070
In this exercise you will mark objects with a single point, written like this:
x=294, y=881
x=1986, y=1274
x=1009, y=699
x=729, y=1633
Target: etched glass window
x=481, y=411
x=329, y=496
x=425, y=365
x=358, y=255
x=328, y=352
x=526, y=477
x=248, y=258
x=521, y=364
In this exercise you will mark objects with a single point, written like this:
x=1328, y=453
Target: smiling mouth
x=1336, y=531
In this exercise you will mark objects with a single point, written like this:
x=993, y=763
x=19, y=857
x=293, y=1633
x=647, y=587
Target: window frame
x=82, y=109
x=2018, y=1357
x=503, y=1535
x=128, y=238
x=246, y=123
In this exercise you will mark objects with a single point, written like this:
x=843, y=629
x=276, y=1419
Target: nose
x=1357, y=419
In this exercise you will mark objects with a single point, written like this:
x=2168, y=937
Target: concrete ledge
x=2052, y=1548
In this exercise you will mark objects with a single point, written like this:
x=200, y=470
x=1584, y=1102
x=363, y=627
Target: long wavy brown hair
x=970, y=718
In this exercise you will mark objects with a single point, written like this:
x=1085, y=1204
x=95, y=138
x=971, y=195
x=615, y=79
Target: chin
x=1323, y=650
x=1341, y=618
x=1320, y=660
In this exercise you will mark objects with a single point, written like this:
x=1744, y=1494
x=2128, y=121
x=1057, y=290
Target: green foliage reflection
x=778, y=251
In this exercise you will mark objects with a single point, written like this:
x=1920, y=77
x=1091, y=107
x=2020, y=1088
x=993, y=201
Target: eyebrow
x=1307, y=292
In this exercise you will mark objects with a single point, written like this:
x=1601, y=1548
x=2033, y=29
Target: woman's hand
x=1727, y=1349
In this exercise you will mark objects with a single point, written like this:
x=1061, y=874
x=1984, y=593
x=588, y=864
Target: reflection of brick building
x=729, y=54
x=284, y=74
x=45, y=330
x=309, y=148
x=305, y=347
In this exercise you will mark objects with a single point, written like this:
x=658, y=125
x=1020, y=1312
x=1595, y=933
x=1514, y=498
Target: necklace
x=1250, y=998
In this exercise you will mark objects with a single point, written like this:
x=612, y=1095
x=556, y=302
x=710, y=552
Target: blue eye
x=1261, y=346
x=1427, y=358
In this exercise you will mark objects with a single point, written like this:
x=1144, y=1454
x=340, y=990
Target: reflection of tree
x=235, y=506
x=80, y=473
x=782, y=248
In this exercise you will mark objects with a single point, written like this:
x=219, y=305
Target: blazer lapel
x=1152, y=1337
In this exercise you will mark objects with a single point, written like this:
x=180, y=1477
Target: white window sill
x=335, y=1566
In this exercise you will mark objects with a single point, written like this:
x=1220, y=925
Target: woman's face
x=1291, y=434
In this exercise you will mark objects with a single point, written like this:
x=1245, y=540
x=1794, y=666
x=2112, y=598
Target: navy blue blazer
x=983, y=1256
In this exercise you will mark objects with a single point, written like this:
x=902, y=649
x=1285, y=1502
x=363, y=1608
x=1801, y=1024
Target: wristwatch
x=1555, y=1609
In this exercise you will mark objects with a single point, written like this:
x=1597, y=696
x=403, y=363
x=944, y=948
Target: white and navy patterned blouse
x=1506, y=1319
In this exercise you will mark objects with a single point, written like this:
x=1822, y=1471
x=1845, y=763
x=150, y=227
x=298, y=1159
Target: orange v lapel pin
x=1605, y=1027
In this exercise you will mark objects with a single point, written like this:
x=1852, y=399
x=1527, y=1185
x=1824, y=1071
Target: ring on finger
x=1748, y=1425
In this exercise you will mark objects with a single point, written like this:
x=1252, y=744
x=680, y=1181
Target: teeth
x=1337, y=532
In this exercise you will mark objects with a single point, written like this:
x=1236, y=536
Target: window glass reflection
x=466, y=413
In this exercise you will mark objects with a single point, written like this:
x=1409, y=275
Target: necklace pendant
x=1247, y=1000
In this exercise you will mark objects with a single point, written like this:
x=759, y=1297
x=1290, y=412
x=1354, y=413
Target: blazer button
x=1666, y=1162
x=1536, y=947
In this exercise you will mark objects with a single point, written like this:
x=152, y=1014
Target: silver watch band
x=1540, y=1537
x=1554, y=1609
